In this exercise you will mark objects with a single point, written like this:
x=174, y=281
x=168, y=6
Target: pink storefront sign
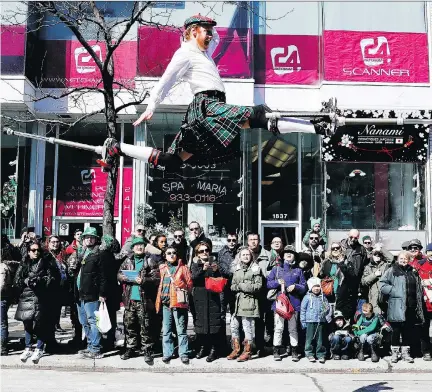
x=373, y=56
x=82, y=193
x=232, y=56
x=12, y=40
x=82, y=71
x=286, y=59
x=126, y=224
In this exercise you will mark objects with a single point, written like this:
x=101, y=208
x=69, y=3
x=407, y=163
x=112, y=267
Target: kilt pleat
x=211, y=129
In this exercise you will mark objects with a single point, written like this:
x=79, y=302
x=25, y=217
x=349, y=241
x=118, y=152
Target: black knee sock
x=258, y=119
x=165, y=162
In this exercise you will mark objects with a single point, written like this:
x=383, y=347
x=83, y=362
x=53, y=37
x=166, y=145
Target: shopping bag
x=103, y=321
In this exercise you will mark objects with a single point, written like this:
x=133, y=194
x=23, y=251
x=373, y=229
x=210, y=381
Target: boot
x=276, y=353
x=212, y=356
x=129, y=353
x=148, y=356
x=236, y=349
x=406, y=354
x=360, y=355
x=374, y=355
x=394, y=354
x=246, y=354
x=201, y=353
x=295, y=354
x=426, y=357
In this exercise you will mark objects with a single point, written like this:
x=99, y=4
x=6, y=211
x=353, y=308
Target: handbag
x=181, y=294
x=216, y=285
x=327, y=286
x=284, y=307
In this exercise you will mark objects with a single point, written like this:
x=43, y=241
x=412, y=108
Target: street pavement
x=30, y=380
x=112, y=362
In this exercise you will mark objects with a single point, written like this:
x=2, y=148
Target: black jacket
x=225, y=259
x=37, y=283
x=92, y=271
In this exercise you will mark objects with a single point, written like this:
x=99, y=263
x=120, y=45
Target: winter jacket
x=314, y=261
x=91, y=270
x=182, y=280
x=8, y=269
x=315, y=309
x=325, y=273
x=373, y=327
x=72, y=247
x=225, y=260
x=424, y=269
x=393, y=286
x=207, y=303
x=371, y=282
x=247, y=283
x=345, y=330
x=292, y=275
x=150, y=276
x=36, y=281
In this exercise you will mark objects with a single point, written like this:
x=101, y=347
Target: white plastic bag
x=103, y=321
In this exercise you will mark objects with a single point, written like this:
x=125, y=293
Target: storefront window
x=207, y=194
x=15, y=175
x=376, y=196
x=279, y=176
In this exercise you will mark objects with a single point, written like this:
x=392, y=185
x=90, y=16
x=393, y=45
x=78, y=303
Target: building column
x=140, y=174
x=36, y=183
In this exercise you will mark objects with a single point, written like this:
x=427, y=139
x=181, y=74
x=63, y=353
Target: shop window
x=15, y=176
x=204, y=193
x=376, y=196
x=279, y=176
x=311, y=179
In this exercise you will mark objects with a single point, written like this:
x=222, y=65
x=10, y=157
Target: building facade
x=375, y=60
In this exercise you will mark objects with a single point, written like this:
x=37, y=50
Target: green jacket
x=373, y=327
x=246, y=284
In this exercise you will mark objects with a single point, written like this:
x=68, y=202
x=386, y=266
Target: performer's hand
x=147, y=115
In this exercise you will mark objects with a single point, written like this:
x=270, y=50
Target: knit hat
x=199, y=19
x=415, y=242
x=313, y=282
x=338, y=314
x=429, y=247
x=366, y=238
x=137, y=241
x=90, y=232
x=315, y=221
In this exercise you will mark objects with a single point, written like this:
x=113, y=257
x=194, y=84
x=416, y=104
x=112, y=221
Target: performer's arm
x=213, y=43
x=177, y=67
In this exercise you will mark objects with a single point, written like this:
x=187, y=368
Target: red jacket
x=71, y=248
x=424, y=268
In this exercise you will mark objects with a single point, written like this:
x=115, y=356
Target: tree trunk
x=111, y=119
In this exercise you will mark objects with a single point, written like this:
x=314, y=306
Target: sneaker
x=91, y=355
x=345, y=357
x=426, y=357
x=185, y=360
x=322, y=360
x=311, y=359
x=82, y=352
x=166, y=360
x=336, y=357
x=27, y=353
x=38, y=353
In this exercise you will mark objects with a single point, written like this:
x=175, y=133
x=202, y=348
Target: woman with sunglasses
x=172, y=299
x=246, y=284
x=331, y=269
x=208, y=321
x=36, y=278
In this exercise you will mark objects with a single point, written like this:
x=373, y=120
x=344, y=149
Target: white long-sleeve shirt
x=192, y=65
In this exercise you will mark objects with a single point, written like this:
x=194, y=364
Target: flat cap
x=199, y=19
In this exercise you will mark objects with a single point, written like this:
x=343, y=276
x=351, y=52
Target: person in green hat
x=139, y=296
x=91, y=289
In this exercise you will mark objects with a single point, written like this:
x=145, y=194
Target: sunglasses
x=140, y=230
x=201, y=251
x=194, y=228
x=171, y=253
x=178, y=236
x=353, y=238
x=313, y=238
x=336, y=248
x=231, y=240
x=367, y=242
x=35, y=250
x=413, y=248
x=376, y=254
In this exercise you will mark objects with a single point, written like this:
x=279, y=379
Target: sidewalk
x=112, y=362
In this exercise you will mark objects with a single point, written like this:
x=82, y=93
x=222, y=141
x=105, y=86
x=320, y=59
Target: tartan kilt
x=211, y=129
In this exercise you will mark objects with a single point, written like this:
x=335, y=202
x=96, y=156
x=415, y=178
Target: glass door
x=288, y=233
